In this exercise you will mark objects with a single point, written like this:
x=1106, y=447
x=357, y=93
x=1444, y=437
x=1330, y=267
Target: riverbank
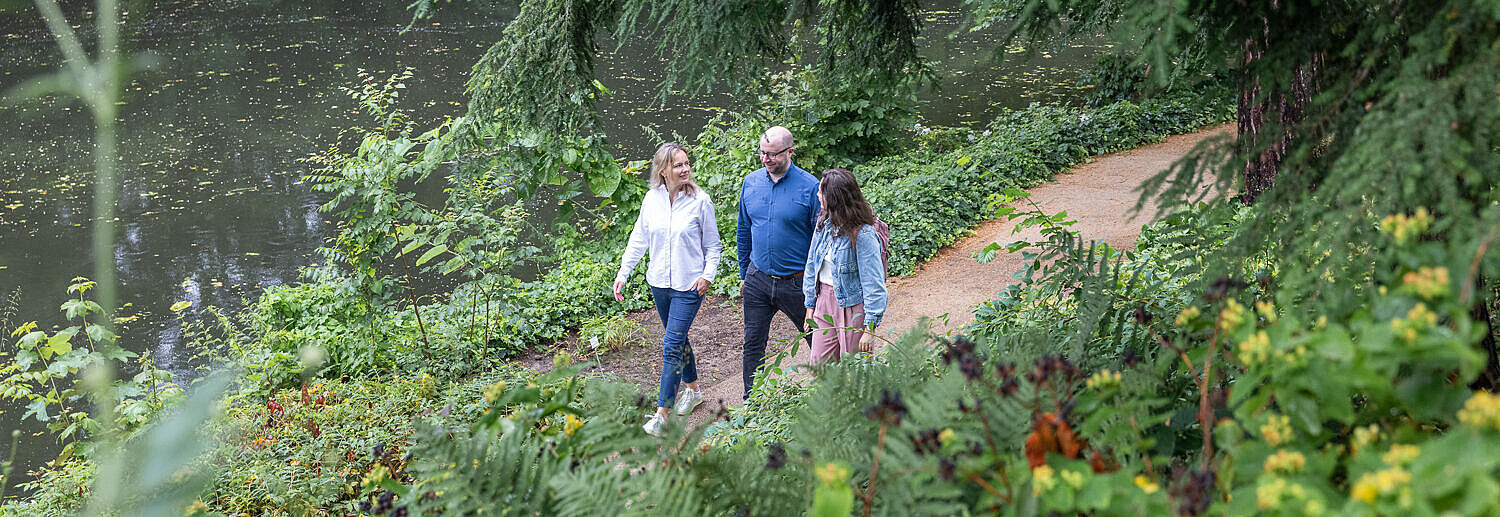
x=330, y=393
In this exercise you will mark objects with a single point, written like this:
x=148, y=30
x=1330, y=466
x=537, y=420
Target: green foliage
x=326, y=446
x=592, y=450
x=534, y=98
x=841, y=120
x=366, y=190
x=288, y=318
x=46, y=375
x=751, y=31
x=1114, y=78
x=605, y=334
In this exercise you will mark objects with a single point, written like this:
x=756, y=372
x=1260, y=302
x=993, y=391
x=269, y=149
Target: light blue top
x=855, y=279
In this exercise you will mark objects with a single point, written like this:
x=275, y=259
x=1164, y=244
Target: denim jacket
x=855, y=280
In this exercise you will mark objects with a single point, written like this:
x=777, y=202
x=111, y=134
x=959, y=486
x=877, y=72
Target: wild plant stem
x=987, y=487
x=989, y=436
x=874, y=470
x=1205, y=410
x=413, y=295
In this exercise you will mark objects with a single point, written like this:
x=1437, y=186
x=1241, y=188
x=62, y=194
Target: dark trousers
x=677, y=310
x=763, y=297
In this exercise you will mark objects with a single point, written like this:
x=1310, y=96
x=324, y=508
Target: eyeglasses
x=764, y=154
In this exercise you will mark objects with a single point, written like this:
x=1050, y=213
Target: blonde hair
x=661, y=163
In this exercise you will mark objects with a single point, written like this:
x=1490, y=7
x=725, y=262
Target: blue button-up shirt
x=776, y=221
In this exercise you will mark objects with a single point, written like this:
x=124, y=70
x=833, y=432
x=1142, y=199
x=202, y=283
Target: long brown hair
x=844, y=206
x=661, y=163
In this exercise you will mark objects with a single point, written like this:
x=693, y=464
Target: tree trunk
x=1256, y=107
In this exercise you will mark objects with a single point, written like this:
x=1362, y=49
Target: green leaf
x=30, y=340
x=454, y=264
x=100, y=334
x=434, y=252
x=411, y=246
x=60, y=343
x=74, y=309
x=38, y=409
x=604, y=184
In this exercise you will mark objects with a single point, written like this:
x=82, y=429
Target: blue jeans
x=677, y=310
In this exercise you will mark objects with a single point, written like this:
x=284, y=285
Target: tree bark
x=1286, y=107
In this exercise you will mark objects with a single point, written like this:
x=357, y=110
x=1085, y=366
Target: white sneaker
x=689, y=399
x=654, y=424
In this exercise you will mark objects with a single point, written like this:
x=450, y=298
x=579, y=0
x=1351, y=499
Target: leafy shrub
x=1113, y=78
x=48, y=375
x=324, y=448
x=605, y=334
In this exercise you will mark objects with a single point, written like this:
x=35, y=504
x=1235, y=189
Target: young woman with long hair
x=676, y=225
x=845, y=276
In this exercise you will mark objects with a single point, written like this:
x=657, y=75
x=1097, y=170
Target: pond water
x=212, y=206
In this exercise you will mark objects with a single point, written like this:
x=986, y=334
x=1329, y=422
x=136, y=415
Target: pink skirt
x=831, y=342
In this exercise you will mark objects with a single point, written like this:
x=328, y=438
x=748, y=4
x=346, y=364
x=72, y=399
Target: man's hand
x=701, y=286
x=618, y=286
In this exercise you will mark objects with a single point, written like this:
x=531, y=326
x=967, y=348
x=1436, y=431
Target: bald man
x=778, y=205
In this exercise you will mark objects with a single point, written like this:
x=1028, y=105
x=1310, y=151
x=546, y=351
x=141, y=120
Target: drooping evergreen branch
x=709, y=45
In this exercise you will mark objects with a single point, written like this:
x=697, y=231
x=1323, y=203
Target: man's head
x=776, y=150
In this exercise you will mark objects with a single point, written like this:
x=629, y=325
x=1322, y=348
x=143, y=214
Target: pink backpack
x=882, y=231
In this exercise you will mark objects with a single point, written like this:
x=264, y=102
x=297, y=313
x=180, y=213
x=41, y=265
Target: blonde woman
x=677, y=227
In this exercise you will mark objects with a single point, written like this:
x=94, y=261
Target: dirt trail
x=1099, y=195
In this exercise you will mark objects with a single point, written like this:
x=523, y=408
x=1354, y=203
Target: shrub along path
x=1099, y=195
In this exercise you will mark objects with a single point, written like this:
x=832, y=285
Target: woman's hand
x=701, y=286
x=618, y=286
x=810, y=317
x=867, y=340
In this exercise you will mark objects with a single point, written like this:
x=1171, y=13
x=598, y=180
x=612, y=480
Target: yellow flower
x=1288, y=462
x=1103, y=379
x=1146, y=484
x=1266, y=310
x=1270, y=495
x=1277, y=430
x=1404, y=228
x=492, y=393
x=1417, y=319
x=1256, y=349
x=1232, y=316
x=1401, y=454
x=1363, y=436
x=1186, y=316
x=832, y=473
x=1073, y=478
x=1042, y=480
x=1384, y=482
x=570, y=424
x=946, y=436
x=1427, y=282
x=1481, y=410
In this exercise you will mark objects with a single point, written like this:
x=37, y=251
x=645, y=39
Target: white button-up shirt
x=682, y=236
